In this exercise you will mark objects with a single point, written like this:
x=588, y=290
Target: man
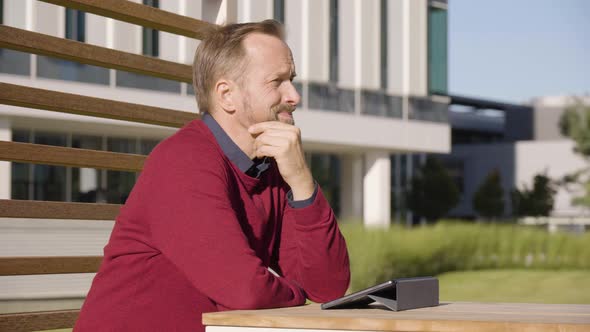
x=225, y=214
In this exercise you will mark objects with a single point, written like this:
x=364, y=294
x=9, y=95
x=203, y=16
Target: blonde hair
x=221, y=53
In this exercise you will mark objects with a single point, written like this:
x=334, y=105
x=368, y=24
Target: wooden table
x=456, y=316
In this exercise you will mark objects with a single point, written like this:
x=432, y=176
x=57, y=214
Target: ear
x=225, y=95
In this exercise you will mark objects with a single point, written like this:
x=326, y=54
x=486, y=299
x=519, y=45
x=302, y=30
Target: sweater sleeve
x=312, y=251
x=193, y=224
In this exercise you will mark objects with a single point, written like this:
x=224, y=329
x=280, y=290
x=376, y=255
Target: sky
x=514, y=50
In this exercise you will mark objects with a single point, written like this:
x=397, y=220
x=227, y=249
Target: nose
x=292, y=97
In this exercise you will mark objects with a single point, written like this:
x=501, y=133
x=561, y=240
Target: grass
x=525, y=286
x=377, y=255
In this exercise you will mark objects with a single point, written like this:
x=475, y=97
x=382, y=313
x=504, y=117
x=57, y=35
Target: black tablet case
x=397, y=294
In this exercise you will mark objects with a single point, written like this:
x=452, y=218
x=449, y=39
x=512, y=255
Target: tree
x=575, y=124
x=534, y=202
x=488, y=200
x=433, y=193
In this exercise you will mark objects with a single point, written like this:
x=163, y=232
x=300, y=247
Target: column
x=377, y=189
x=351, y=197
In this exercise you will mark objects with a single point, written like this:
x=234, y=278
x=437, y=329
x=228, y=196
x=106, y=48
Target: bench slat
x=35, y=321
x=18, y=95
x=62, y=156
x=57, y=210
x=37, y=43
x=12, y=266
x=139, y=14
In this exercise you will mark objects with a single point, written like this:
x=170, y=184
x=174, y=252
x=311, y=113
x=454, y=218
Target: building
x=367, y=73
x=520, y=141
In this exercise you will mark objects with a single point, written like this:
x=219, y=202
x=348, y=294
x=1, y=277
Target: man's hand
x=283, y=142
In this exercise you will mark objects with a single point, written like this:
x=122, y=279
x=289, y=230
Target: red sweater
x=198, y=235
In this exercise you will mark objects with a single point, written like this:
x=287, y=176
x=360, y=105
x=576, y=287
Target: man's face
x=266, y=88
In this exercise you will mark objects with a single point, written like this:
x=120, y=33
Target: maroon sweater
x=198, y=235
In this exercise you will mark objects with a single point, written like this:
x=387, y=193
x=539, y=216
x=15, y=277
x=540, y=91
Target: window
x=437, y=48
x=57, y=183
x=333, y=40
x=151, y=41
x=326, y=170
x=75, y=25
x=1, y=12
x=279, y=10
x=384, y=44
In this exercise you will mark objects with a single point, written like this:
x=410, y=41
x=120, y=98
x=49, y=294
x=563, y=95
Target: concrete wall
x=518, y=163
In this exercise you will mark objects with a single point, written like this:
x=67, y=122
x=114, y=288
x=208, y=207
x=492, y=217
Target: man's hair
x=221, y=54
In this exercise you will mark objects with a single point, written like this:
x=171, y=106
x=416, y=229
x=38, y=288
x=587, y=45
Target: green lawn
x=527, y=286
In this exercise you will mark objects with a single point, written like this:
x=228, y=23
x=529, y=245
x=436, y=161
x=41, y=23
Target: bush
x=380, y=255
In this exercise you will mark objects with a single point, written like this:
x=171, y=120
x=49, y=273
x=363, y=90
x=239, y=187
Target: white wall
x=518, y=163
x=5, y=173
x=558, y=159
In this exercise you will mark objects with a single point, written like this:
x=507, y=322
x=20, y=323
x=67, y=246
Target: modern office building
x=367, y=71
x=519, y=141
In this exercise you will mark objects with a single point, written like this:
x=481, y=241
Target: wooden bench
x=16, y=95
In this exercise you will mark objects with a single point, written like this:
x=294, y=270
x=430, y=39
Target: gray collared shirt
x=253, y=168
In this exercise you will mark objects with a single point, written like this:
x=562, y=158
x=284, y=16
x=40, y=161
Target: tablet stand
x=409, y=293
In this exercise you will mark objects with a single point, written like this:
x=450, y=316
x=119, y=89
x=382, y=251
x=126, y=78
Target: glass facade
x=75, y=25
x=57, y=183
x=437, y=50
x=151, y=38
x=326, y=170
x=279, y=10
x=15, y=62
x=333, y=40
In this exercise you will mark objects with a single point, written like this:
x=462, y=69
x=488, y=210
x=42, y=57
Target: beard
x=283, y=113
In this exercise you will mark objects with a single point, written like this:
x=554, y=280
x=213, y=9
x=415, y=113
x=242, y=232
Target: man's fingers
x=271, y=140
x=267, y=151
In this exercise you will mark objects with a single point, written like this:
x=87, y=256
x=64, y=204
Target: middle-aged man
x=225, y=214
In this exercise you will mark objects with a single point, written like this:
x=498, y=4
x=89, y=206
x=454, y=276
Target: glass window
x=1, y=12
x=53, y=68
x=75, y=25
x=437, y=50
x=330, y=97
x=86, y=181
x=326, y=170
x=334, y=40
x=146, y=146
x=15, y=62
x=119, y=184
x=20, y=172
x=151, y=40
x=49, y=181
x=138, y=81
x=279, y=10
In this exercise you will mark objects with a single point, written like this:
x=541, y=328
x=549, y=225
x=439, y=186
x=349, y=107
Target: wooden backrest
x=17, y=95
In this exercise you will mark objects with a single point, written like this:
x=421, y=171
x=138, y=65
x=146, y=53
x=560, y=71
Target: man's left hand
x=282, y=141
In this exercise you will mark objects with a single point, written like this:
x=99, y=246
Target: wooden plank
x=33, y=42
x=17, y=95
x=58, y=210
x=446, y=317
x=61, y=156
x=10, y=266
x=36, y=321
x=139, y=14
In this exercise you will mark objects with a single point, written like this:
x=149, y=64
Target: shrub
x=379, y=255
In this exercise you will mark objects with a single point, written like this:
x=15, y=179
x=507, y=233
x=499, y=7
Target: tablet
x=397, y=294
x=360, y=298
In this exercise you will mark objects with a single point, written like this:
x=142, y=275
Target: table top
x=448, y=316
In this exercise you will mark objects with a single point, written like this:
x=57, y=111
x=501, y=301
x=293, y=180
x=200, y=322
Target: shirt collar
x=231, y=149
